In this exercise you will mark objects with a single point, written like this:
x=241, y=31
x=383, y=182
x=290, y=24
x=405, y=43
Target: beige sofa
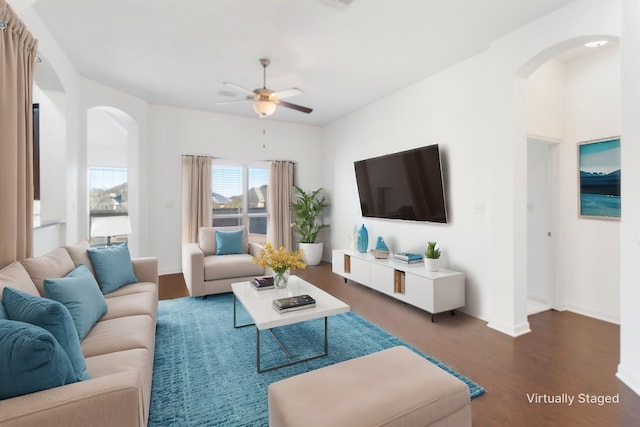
x=118, y=350
x=206, y=273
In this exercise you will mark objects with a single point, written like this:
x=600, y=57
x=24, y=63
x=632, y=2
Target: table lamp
x=109, y=226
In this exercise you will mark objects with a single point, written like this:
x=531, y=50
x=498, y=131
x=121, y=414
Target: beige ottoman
x=393, y=387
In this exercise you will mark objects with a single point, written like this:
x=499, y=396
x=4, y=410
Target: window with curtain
x=108, y=198
x=239, y=195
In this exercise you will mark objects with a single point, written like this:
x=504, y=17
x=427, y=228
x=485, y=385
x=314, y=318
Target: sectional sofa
x=118, y=348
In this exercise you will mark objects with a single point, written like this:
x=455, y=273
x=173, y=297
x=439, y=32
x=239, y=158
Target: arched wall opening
x=112, y=174
x=579, y=116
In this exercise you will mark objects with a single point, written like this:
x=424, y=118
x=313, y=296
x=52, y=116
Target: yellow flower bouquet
x=281, y=262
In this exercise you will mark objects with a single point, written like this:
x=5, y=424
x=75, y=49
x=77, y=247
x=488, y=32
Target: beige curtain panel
x=196, y=196
x=17, y=60
x=279, y=202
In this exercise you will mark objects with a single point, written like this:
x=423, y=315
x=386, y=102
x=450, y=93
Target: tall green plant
x=432, y=252
x=307, y=209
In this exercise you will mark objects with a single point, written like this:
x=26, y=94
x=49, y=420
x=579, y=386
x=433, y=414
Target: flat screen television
x=406, y=185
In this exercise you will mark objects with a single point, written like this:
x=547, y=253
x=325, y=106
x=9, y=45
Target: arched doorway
x=566, y=250
x=112, y=175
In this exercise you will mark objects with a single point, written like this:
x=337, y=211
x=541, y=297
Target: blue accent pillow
x=49, y=315
x=113, y=267
x=31, y=360
x=229, y=242
x=80, y=293
x=3, y=314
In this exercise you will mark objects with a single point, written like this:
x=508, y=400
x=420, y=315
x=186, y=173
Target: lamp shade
x=107, y=226
x=264, y=108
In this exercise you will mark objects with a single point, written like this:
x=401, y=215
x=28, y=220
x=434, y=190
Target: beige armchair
x=206, y=273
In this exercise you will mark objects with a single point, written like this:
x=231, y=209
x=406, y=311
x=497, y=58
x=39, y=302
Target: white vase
x=312, y=252
x=432, y=264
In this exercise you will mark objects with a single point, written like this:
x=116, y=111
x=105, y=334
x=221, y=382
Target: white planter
x=432, y=264
x=312, y=252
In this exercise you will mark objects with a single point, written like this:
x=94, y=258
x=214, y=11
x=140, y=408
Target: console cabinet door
x=382, y=278
x=449, y=293
x=419, y=291
x=337, y=263
x=360, y=271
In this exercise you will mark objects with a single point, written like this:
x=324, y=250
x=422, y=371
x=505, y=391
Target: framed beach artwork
x=599, y=171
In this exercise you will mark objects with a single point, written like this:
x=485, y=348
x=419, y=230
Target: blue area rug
x=205, y=370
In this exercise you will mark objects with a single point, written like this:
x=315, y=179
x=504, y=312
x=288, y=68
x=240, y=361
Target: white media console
x=434, y=292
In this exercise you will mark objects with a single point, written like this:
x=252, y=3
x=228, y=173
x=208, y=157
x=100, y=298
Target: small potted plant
x=432, y=257
x=307, y=208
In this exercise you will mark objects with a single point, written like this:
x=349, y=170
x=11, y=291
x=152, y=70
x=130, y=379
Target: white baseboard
x=629, y=379
x=607, y=317
x=512, y=330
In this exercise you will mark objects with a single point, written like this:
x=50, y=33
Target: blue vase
x=381, y=245
x=363, y=239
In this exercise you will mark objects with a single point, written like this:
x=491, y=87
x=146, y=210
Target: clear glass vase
x=280, y=280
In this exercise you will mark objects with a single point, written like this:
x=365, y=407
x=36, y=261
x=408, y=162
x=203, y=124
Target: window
x=108, y=198
x=239, y=195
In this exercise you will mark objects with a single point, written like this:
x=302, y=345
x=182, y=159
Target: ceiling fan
x=265, y=100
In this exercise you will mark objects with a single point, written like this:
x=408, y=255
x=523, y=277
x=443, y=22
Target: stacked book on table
x=408, y=258
x=263, y=283
x=298, y=302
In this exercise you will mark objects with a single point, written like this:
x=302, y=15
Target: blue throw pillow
x=80, y=293
x=31, y=360
x=49, y=315
x=113, y=267
x=3, y=314
x=229, y=242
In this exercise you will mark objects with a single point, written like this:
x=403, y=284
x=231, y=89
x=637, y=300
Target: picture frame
x=599, y=169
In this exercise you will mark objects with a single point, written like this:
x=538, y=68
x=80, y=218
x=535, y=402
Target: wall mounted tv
x=406, y=185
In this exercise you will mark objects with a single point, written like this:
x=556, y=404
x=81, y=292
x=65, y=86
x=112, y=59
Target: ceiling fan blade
x=288, y=93
x=230, y=102
x=239, y=88
x=294, y=106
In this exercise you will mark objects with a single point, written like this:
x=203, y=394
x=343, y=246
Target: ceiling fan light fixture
x=264, y=108
x=597, y=43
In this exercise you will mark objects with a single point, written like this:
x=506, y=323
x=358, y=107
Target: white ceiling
x=179, y=53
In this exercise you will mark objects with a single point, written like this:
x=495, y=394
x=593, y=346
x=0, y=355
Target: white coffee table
x=258, y=305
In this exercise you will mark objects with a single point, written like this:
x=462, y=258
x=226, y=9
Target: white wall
x=107, y=140
x=629, y=367
x=53, y=151
x=429, y=112
x=588, y=250
x=65, y=106
x=546, y=101
x=174, y=132
x=476, y=111
x=576, y=101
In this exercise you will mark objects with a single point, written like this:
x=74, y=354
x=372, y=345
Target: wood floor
x=565, y=355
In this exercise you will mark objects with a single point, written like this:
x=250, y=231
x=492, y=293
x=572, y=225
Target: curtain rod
x=240, y=160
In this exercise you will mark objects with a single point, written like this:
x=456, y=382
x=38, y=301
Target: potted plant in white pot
x=432, y=257
x=307, y=208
